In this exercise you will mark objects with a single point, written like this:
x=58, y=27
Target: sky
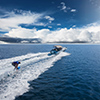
x=51, y=20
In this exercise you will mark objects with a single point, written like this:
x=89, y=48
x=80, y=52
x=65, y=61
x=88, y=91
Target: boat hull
x=54, y=52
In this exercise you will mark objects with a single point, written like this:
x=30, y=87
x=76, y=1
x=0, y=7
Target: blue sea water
x=71, y=75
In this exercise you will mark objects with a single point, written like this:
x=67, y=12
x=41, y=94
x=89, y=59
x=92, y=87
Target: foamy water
x=15, y=83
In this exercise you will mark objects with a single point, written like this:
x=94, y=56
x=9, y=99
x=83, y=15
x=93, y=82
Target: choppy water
x=71, y=75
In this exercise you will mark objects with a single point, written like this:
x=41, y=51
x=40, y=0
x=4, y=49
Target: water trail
x=32, y=65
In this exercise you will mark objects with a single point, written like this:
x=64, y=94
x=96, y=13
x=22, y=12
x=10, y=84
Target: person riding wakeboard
x=15, y=64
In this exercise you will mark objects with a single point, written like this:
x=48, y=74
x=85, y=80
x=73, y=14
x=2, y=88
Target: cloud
x=73, y=10
x=49, y=26
x=10, y=22
x=28, y=33
x=93, y=27
x=14, y=19
x=65, y=8
x=74, y=26
x=85, y=36
x=49, y=18
x=22, y=33
x=58, y=24
x=89, y=34
x=71, y=35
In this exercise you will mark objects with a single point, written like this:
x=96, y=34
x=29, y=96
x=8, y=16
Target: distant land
x=7, y=40
x=18, y=40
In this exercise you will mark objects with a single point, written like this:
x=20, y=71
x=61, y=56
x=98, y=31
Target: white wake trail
x=6, y=64
x=32, y=65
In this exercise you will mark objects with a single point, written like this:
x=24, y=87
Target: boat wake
x=15, y=83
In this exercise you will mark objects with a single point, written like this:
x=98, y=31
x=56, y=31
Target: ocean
x=70, y=75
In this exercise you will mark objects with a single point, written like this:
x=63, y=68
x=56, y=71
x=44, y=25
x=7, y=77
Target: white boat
x=57, y=49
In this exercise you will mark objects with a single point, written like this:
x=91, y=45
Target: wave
x=15, y=83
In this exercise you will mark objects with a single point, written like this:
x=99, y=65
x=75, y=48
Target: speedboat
x=57, y=49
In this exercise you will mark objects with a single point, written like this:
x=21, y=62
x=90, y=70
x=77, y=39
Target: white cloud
x=93, y=27
x=42, y=34
x=84, y=36
x=13, y=19
x=74, y=26
x=90, y=34
x=58, y=24
x=49, y=26
x=73, y=10
x=65, y=8
x=28, y=33
x=49, y=18
x=11, y=22
x=71, y=35
x=22, y=33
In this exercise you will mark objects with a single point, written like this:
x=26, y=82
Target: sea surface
x=70, y=75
